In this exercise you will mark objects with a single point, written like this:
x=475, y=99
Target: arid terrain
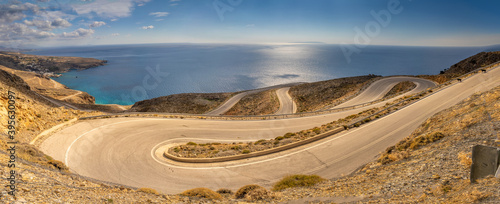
x=182, y=103
x=46, y=64
x=465, y=66
x=431, y=165
x=261, y=103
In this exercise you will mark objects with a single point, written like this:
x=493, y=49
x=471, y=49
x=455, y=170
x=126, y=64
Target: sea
x=138, y=72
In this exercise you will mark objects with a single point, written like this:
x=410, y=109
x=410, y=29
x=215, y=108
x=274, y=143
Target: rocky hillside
x=51, y=88
x=474, y=62
x=465, y=66
x=42, y=179
x=34, y=113
x=261, y=103
x=317, y=95
x=194, y=103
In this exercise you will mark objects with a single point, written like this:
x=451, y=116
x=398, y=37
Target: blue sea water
x=138, y=72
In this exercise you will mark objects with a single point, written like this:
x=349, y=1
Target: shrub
x=259, y=142
x=235, y=147
x=147, y=190
x=258, y=194
x=58, y=165
x=423, y=140
x=246, y=151
x=279, y=138
x=297, y=181
x=191, y=143
x=384, y=159
x=224, y=191
x=317, y=130
x=202, y=193
x=243, y=191
x=288, y=135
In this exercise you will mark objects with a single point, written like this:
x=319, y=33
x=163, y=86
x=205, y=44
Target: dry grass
x=148, y=190
x=243, y=191
x=401, y=150
x=202, y=193
x=258, y=194
x=297, y=181
x=261, y=103
x=465, y=159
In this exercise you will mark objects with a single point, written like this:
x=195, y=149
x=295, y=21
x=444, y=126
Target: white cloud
x=78, y=33
x=51, y=15
x=15, y=11
x=115, y=34
x=114, y=19
x=160, y=19
x=21, y=32
x=107, y=8
x=47, y=25
x=26, y=23
x=96, y=24
x=158, y=14
x=250, y=25
x=174, y=4
x=147, y=27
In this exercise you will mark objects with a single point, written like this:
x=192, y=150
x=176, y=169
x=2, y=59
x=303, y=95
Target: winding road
x=287, y=105
x=284, y=98
x=379, y=88
x=128, y=150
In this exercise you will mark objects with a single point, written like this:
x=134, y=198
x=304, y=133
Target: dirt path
x=73, y=95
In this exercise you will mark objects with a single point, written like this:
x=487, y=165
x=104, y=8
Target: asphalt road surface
x=226, y=106
x=125, y=150
x=287, y=105
x=379, y=88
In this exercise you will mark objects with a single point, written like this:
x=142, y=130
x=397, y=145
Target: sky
x=47, y=23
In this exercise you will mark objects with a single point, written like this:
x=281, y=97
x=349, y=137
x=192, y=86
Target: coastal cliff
x=48, y=65
x=48, y=87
